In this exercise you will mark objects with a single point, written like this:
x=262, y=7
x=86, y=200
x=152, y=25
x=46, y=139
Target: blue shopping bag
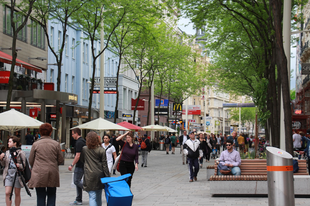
x=117, y=191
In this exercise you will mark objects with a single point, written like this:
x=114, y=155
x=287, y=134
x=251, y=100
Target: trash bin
x=161, y=144
x=280, y=177
x=63, y=151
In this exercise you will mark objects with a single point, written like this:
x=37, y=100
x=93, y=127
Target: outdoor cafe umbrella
x=171, y=130
x=100, y=124
x=155, y=128
x=13, y=120
x=130, y=126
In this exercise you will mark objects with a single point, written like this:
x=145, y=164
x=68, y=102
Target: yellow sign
x=177, y=107
x=72, y=97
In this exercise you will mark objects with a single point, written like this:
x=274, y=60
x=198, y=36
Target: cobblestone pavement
x=163, y=182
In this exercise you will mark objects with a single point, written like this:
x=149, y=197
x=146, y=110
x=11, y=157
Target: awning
x=6, y=58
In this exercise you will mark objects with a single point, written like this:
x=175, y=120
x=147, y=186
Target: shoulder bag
x=118, y=159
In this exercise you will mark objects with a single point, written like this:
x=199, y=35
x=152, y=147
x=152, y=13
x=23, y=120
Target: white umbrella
x=171, y=130
x=13, y=120
x=100, y=124
x=155, y=128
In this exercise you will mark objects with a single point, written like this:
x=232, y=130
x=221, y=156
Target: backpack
x=295, y=166
x=27, y=171
x=143, y=144
x=167, y=140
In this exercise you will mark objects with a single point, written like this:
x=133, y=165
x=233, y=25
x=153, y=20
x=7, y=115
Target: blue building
x=76, y=76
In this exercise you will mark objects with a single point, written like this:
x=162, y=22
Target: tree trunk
x=92, y=89
x=149, y=106
x=117, y=92
x=282, y=64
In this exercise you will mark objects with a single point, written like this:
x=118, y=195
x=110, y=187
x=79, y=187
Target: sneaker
x=76, y=203
x=142, y=165
x=145, y=166
x=190, y=180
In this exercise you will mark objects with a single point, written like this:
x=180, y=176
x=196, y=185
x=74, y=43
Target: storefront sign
x=140, y=104
x=163, y=102
x=192, y=110
x=4, y=77
x=161, y=111
x=33, y=112
x=127, y=115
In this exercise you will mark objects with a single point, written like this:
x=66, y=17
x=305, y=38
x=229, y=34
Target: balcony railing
x=24, y=83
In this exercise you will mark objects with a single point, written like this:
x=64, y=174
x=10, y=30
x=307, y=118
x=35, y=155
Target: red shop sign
x=4, y=77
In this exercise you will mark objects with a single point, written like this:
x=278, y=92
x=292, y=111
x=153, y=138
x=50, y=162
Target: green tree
x=293, y=94
x=18, y=17
x=59, y=11
x=247, y=115
x=248, y=35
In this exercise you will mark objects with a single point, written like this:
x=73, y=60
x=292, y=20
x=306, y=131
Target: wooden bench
x=255, y=170
x=253, y=179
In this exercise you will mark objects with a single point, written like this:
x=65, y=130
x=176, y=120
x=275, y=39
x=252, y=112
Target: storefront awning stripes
x=6, y=58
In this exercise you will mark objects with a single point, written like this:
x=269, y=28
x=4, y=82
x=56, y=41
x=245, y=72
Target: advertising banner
x=192, y=109
x=4, y=77
x=140, y=104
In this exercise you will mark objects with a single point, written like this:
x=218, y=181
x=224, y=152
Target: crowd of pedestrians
x=95, y=158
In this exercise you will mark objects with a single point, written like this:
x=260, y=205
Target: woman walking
x=95, y=167
x=130, y=158
x=44, y=158
x=203, y=147
x=110, y=151
x=10, y=169
x=208, y=148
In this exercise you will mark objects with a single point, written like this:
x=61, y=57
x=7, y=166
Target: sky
x=186, y=26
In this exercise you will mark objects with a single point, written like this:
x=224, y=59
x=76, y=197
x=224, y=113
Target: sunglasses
x=228, y=144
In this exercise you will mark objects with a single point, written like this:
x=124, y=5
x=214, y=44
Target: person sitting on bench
x=231, y=158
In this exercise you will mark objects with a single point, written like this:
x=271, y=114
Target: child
x=214, y=152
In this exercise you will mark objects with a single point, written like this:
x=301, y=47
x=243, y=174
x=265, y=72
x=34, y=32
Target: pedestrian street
x=164, y=182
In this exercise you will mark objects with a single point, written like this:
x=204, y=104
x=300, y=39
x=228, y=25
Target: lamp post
x=101, y=100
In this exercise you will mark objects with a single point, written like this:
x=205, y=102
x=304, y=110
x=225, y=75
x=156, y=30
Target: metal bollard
x=280, y=177
x=63, y=151
x=161, y=145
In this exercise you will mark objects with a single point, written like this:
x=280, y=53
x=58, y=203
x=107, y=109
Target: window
x=66, y=83
x=112, y=68
x=59, y=40
x=219, y=113
x=194, y=101
x=37, y=35
x=83, y=90
x=52, y=75
x=7, y=28
x=52, y=37
x=84, y=52
x=73, y=48
x=66, y=46
x=72, y=85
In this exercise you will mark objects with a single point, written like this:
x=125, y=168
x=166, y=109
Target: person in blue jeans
x=230, y=158
x=94, y=159
x=79, y=166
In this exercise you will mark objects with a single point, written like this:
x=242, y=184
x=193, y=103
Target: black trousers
x=125, y=168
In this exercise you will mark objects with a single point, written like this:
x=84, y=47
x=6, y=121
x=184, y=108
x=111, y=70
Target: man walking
x=193, y=152
x=230, y=158
x=79, y=167
x=182, y=139
x=145, y=149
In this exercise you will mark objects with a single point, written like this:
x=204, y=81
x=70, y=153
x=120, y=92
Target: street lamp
x=16, y=49
x=38, y=58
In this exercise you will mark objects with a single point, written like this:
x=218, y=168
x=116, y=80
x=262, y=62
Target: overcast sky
x=186, y=26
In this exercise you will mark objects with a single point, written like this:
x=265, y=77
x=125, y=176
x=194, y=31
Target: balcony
x=24, y=83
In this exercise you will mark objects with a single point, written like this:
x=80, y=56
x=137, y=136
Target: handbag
x=225, y=170
x=27, y=171
x=119, y=160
